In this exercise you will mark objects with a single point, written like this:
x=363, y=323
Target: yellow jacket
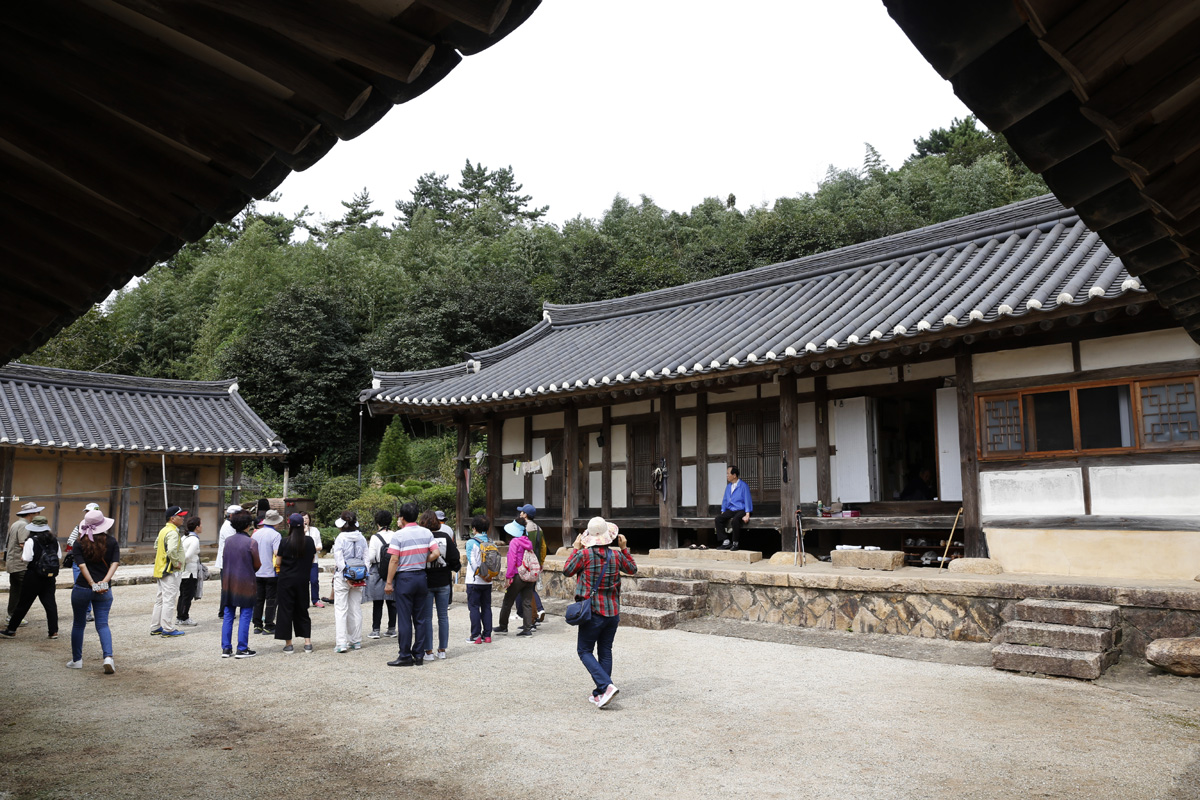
x=168, y=551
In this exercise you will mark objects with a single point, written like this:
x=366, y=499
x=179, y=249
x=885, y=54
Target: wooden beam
x=7, y=459
x=702, y=454
x=571, y=473
x=462, y=499
x=58, y=490
x=789, y=438
x=495, y=478
x=126, y=488
x=482, y=15
x=527, y=489
x=236, y=494
x=824, y=470
x=964, y=379
x=668, y=449
x=114, y=492
x=606, y=466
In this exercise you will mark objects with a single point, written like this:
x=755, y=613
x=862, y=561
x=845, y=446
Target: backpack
x=355, y=571
x=385, y=557
x=489, y=561
x=529, y=569
x=45, y=562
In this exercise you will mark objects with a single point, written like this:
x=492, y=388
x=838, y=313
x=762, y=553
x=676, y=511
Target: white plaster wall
x=1031, y=492
x=805, y=385
x=1051, y=359
x=829, y=422
x=806, y=425
x=716, y=482
x=629, y=409
x=804, y=472
x=687, y=437
x=834, y=489
x=512, y=436
x=1137, y=348
x=949, y=451
x=769, y=390
x=1146, y=490
x=717, y=439
x=619, y=496
x=687, y=485
x=734, y=394
x=929, y=369
x=595, y=451
x=512, y=484
x=549, y=422
x=591, y=416
x=618, y=444
x=595, y=488
x=867, y=377
x=538, y=480
x=685, y=401
x=1098, y=554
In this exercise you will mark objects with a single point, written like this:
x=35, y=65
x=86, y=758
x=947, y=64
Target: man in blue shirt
x=735, y=508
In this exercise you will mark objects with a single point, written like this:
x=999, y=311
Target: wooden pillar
x=972, y=529
x=668, y=450
x=114, y=494
x=58, y=489
x=606, y=466
x=570, y=501
x=123, y=520
x=222, y=497
x=462, y=499
x=789, y=437
x=701, y=457
x=8, y=458
x=527, y=489
x=495, y=462
x=825, y=538
x=236, y=495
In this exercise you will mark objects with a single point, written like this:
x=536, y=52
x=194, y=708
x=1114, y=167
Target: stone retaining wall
x=960, y=609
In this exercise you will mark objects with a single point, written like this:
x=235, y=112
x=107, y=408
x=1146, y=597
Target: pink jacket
x=516, y=551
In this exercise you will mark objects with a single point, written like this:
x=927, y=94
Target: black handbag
x=581, y=610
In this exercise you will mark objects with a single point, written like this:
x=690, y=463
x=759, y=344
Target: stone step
x=663, y=602
x=672, y=586
x=1069, y=612
x=743, y=556
x=650, y=618
x=1053, y=661
x=1062, y=637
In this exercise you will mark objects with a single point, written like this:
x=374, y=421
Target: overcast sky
x=675, y=99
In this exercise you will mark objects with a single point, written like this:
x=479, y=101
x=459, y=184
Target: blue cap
x=528, y=509
x=514, y=528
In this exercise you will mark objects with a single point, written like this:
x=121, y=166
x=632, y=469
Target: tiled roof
x=1028, y=258
x=62, y=408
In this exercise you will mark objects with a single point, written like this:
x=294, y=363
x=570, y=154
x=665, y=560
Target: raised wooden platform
x=924, y=522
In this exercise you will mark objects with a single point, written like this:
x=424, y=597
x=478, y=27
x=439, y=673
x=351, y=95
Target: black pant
x=377, y=613
x=524, y=590
x=293, y=611
x=734, y=517
x=264, y=602
x=36, y=588
x=15, y=580
x=187, y=593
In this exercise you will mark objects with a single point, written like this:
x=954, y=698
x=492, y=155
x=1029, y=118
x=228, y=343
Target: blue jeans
x=598, y=632
x=440, y=595
x=314, y=582
x=410, y=589
x=243, y=628
x=479, y=602
x=82, y=598
x=75, y=570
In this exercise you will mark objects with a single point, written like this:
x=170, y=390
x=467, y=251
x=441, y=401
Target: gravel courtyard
x=698, y=716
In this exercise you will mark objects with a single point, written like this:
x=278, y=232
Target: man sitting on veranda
x=735, y=508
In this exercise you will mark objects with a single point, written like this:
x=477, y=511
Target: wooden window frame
x=762, y=412
x=1135, y=397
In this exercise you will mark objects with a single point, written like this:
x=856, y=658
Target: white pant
x=163, y=615
x=347, y=612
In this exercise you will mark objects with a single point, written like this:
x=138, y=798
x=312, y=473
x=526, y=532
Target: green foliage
x=393, y=460
x=394, y=489
x=438, y=496
x=335, y=497
x=370, y=501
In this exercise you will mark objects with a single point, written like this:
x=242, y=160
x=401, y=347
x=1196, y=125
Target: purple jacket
x=516, y=552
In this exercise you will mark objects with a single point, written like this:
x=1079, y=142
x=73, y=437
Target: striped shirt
x=411, y=546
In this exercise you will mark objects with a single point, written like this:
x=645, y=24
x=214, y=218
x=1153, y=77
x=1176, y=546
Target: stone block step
x=1069, y=612
x=650, y=618
x=672, y=586
x=742, y=556
x=1053, y=661
x=663, y=602
x=1062, y=637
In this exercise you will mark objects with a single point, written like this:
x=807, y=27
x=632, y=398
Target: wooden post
x=462, y=500
x=972, y=531
x=58, y=488
x=222, y=499
x=606, y=465
x=527, y=488
x=570, y=502
x=824, y=472
x=236, y=495
x=701, y=457
x=668, y=450
x=789, y=437
x=8, y=457
x=123, y=521
x=495, y=462
x=114, y=494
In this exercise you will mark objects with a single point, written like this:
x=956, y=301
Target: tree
x=432, y=193
x=393, y=461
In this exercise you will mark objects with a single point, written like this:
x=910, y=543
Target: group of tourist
x=269, y=580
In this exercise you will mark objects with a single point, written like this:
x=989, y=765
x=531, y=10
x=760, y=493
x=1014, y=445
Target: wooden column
x=789, y=437
x=236, y=495
x=527, y=489
x=495, y=462
x=668, y=448
x=825, y=538
x=701, y=458
x=462, y=500
x=7, y=461
x=58, y=488
x=606, y=467
x=222, y=497
x=114, y=494
x=570, y=501
x=971, y=530
x=123, y=520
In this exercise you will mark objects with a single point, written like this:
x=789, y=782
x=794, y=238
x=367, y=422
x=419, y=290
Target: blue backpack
x=355, y=571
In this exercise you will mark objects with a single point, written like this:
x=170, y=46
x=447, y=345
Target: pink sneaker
x=477, y=640
x=487, y=640
x=318, y=604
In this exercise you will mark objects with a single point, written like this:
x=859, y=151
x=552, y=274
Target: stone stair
x=660, y=603
x=1057, y=637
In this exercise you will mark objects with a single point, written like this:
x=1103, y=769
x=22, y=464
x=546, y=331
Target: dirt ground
x=698, y=715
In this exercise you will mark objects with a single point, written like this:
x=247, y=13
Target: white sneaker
x=609, y=694
x=442, y=655
x=374, y=634
x=109, y=669
x=75, y=664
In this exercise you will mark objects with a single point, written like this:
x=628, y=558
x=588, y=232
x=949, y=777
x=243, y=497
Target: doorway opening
x=906, y=440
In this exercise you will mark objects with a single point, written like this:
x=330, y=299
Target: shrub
x=394, y=489
x=438, y=496
x=393, y=457
x=368, y=503
x=335, y=497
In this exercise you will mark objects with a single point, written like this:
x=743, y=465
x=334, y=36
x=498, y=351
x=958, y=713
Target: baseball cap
x=529, y=510
x=176, y=511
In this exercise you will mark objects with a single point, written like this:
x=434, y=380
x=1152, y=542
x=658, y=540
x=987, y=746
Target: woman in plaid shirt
x=598, y=568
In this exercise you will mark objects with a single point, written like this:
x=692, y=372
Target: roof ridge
x=16, y=370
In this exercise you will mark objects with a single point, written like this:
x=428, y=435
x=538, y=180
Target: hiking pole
x=799, y=540
x=950, y=541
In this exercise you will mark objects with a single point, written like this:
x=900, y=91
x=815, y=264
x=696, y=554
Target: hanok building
x=1008, y=352
x=69, y=438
